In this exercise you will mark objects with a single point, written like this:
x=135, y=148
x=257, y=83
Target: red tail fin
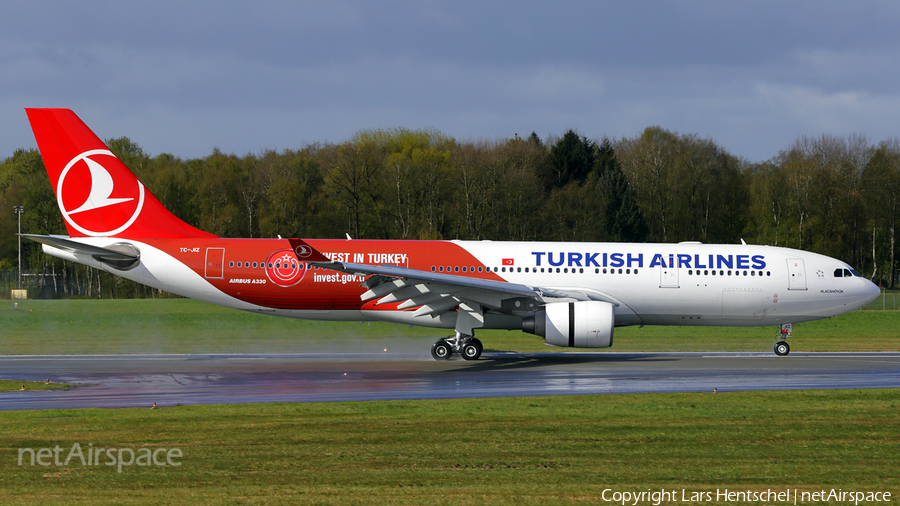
x=97, y=195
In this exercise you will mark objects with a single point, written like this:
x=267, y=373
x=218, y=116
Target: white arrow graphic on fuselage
x=101, y=188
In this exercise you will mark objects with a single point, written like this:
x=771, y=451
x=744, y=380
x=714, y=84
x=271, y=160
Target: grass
x=187, y=326
x=13, y=385
x=555, y=450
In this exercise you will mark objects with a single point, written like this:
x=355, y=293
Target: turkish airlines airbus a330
x=572, y=294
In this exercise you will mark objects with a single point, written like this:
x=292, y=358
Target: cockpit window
x=846, y=273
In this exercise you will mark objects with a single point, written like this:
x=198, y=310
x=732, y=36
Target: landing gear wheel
x=441, y=350
x=472, y=350
x=782, y=348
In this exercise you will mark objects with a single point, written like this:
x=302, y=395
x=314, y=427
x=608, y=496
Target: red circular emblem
x=283, y=268
x=96, y=194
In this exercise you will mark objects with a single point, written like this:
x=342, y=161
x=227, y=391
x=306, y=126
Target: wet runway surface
x=141, y=380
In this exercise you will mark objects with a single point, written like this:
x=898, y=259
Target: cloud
x=186, y=77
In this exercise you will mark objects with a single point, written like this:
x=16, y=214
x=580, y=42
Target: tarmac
x=117, y=381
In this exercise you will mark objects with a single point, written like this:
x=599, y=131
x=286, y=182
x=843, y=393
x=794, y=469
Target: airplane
x=571, y=294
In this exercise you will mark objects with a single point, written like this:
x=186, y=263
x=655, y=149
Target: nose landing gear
x=466, y=345
x=782, y=348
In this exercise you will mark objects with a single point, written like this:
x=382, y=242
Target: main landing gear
x=467, y=346
x=782, y=348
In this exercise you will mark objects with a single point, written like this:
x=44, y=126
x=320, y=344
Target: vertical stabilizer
x=97, y=195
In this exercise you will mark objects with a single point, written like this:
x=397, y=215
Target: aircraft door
x=215, y=263
x=797, y=273
x=668, y=277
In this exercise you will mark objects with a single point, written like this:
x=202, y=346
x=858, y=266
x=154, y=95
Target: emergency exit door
x=796, y=274
x=215, y=263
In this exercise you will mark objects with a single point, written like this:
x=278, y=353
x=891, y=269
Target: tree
x=572, y=159
x=624, y=221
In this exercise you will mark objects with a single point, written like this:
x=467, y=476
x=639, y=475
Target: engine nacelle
x=574, y=324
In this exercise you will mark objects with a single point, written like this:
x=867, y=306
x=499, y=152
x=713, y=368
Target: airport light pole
x=19, y=210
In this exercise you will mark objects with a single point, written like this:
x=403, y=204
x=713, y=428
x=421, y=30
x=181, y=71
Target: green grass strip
x=541, y=450
x=42, y=327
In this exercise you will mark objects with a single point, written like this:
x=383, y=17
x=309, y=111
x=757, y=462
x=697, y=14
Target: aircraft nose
x=870, y=292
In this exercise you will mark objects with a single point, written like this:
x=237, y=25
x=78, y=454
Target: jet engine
x=574, y=324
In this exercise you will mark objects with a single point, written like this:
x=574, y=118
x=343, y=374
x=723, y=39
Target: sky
x=186, y=77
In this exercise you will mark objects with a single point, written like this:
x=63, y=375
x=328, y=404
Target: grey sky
x=185, y=77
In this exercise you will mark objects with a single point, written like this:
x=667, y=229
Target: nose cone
x=869, y=292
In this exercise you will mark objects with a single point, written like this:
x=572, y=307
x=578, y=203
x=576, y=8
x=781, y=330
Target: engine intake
x=587, y=324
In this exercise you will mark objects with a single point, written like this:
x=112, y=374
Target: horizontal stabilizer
x=71, y=246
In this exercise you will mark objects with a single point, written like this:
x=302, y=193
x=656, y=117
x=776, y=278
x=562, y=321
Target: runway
x=113, y=381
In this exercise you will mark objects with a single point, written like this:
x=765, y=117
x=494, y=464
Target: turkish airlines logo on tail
x=105, y=206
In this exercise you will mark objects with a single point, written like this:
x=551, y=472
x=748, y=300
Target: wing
x=435, y=293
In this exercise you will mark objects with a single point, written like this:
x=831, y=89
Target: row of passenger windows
x=254, y=265
x=707, y=272
x=559, y=270
x=580, y=270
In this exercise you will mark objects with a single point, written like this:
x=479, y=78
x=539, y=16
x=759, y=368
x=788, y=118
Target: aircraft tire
x=472, y=350
x=441, y=351
x=782, y=348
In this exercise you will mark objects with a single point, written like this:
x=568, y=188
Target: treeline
x=836, y=196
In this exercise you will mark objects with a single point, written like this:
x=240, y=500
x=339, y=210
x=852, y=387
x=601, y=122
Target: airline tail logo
x=108, y=205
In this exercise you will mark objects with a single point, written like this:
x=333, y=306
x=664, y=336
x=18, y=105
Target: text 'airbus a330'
x=571, y=294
